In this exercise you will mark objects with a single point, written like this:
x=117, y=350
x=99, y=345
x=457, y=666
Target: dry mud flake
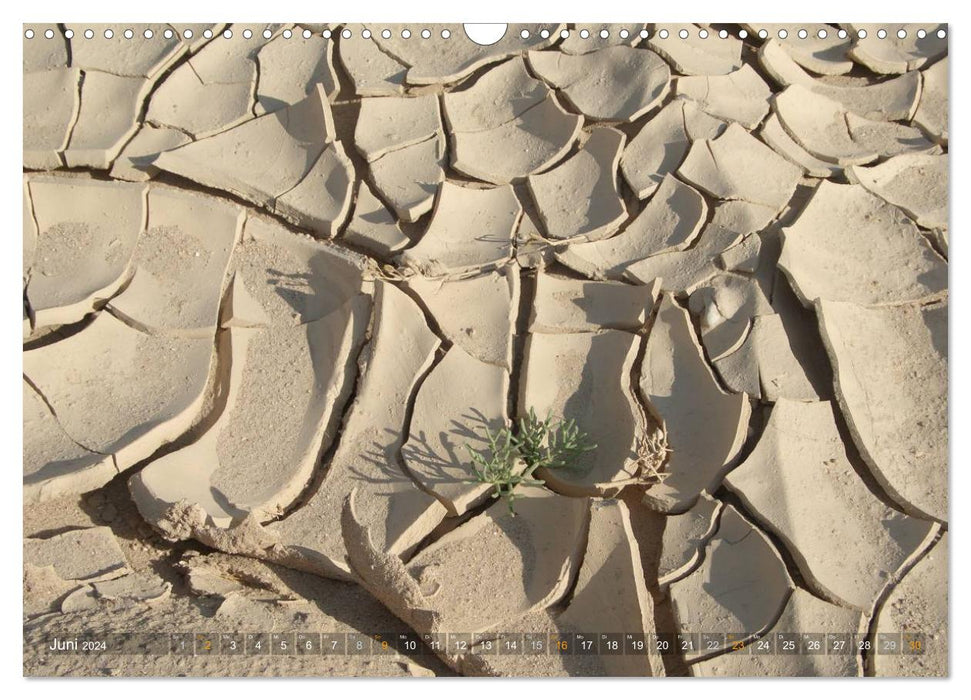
x=135, y=162
x=367, y=460
x=890, y=370
x=119, y=391
x=44, y=591
x=179, y=264
x=890, y=100
x=670, y=221
x=533, y=557
x=144, y=587
x=372, y=71
x=803, y=612
x=799, y=482
x=508, y=125
x=287, y=162
x=408, y=178
x=45, y=55
x=107, y=118
x=458, y=401
x=213, y=90
x=683, y=270
x=726, y=306
x=281, y=279
x=741, y=96
x=663, y=142
x=471, y=228
x=586, y=377
x=611, y=595
x=915, y=183
x=86, y=233
x=917, y=606
x=590, y=177
x=54, y=464
x=618, y=83
x=774, y=361
x=737, y=166
x=564, y=305
x=705, y=426
x=52, y=99
x=827, y=55
x=743, y=217
x=932, y=110
x=685, y=537
x=850, y=245
x=893, y=54
x=288, y=385
x=385, y=124
x=289, y=71
x=477, y=313
x=297, y=314
x=107, y=83
x=373, y=227
x=694, y=55
x=431, y=62
x=773, y=133
x=740, y=588
x=84, y=555
x=828, y=131
x=743, y=257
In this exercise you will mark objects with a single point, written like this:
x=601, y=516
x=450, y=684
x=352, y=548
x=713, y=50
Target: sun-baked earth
x=276, y=279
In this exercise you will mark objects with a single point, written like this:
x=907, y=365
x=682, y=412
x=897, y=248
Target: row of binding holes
x=445, y=34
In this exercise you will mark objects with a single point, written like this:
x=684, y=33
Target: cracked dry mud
x=273, y=286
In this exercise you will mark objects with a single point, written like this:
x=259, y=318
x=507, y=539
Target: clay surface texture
x=597, y=350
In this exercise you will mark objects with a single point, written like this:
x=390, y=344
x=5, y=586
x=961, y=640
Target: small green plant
x=512, y=456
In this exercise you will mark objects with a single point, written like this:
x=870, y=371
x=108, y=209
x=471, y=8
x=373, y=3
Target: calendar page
x=485, y=350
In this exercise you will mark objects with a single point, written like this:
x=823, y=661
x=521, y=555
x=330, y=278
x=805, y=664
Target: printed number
x=864, y=645
x=232, y=645
x=411, y=645
x=662, y=645
x=915, y=645
x=687, y=645
x=738, y=646
x=333, y=644
x=461, y=644
x=788, y=645
x=812, y=645
x=713, y=644
x=762, y=645
x=638, y=645
x=612, y=644
x=839, y=644
x=308, y=645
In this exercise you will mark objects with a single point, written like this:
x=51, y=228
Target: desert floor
x=292, y=294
